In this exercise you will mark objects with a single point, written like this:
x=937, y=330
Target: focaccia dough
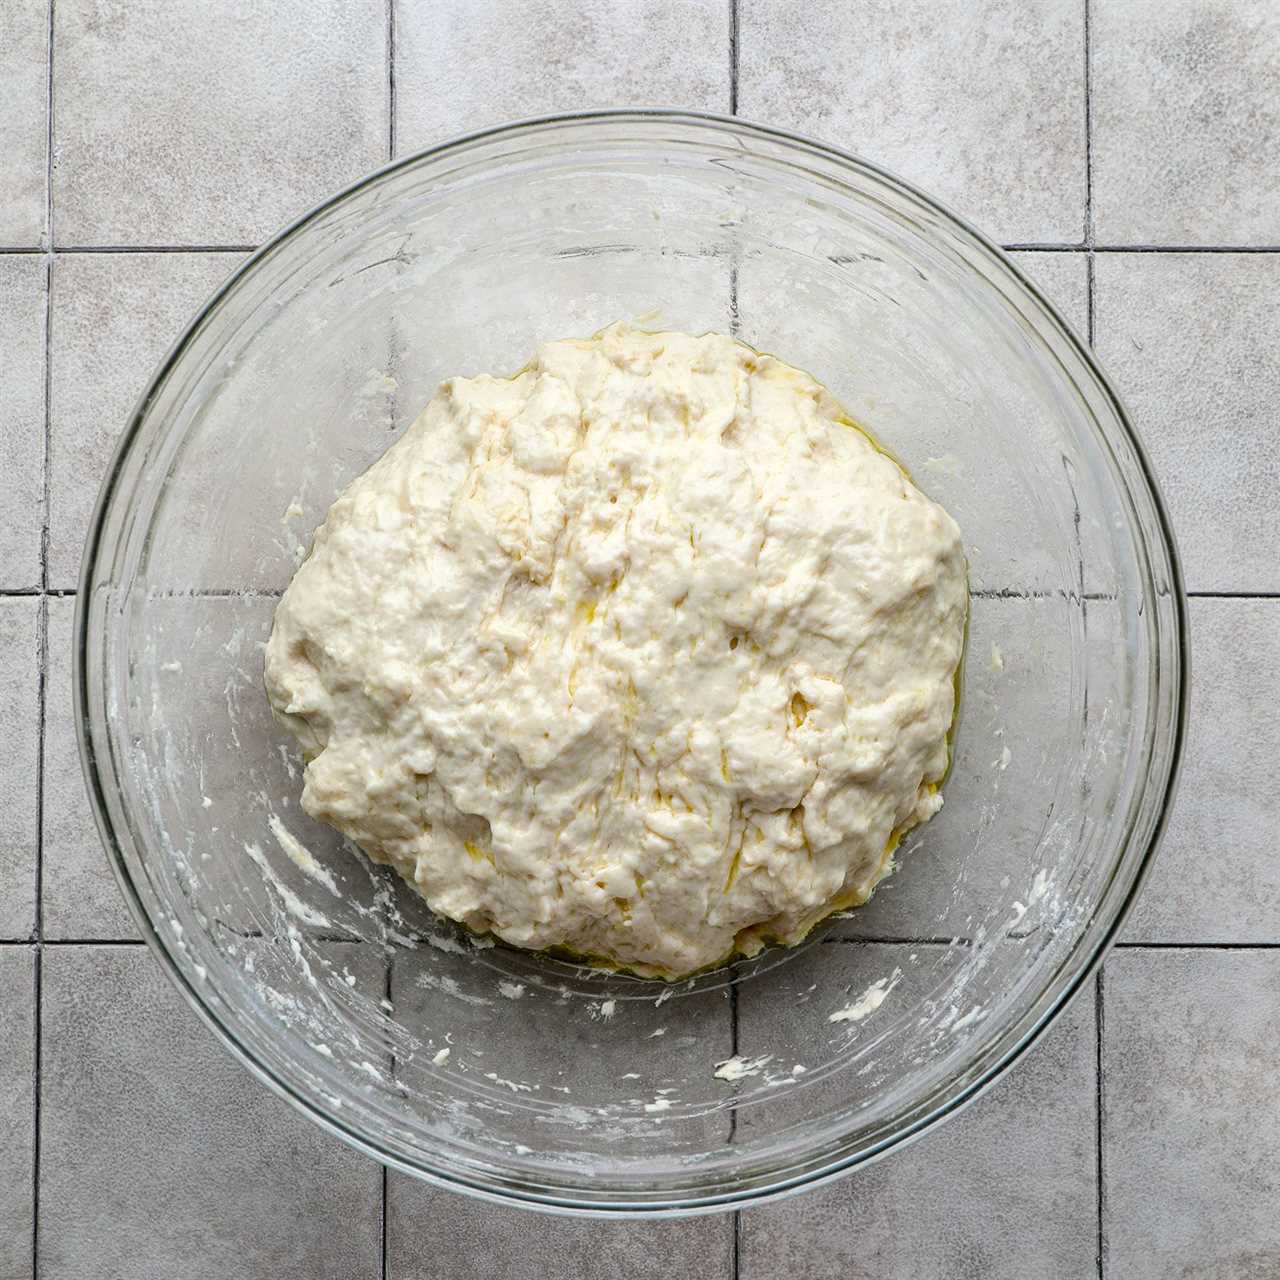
x=646, y=652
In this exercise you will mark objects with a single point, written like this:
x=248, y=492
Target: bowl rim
x=92, y=750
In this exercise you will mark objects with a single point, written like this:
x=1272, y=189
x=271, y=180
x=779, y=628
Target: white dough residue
x=300, y=855
x=867, y=1003
x=738, y=1068
x=646, y=652
x=290, y=900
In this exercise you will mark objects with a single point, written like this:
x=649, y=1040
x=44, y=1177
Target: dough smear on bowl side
x=646, y=653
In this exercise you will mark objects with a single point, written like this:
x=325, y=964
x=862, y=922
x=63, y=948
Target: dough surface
x=645, y=652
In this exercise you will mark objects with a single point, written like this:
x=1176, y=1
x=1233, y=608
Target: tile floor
x=1127, y=147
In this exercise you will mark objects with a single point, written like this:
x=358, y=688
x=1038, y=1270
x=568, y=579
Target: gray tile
x=1217, y=876
x=1064, y=279
x=1191, y=1126
x=80, y=897
x=982, y=104
x=463, y=66
x=114, y=317
x=1186, y=121
x=1190, y=340
x=162, y=1157
x=22, y=304
x=17, y=1115
x=439, y=1235
x=190, y=123
x=1005, y=1189
x=19, y=720
x=24, y=97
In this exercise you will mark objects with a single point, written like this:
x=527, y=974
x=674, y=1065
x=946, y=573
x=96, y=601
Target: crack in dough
x=646, y=653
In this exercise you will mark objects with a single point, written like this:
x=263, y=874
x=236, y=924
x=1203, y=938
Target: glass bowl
x=528, y=1078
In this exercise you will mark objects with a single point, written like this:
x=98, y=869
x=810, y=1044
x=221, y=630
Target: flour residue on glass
x=301, y=856
x=288, y=899
x=739, y=1068
x=868, y=1002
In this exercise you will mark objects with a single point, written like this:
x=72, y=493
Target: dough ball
x=646, y=653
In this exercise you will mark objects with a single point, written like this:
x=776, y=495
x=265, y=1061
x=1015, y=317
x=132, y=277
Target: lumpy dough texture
x=645, y=652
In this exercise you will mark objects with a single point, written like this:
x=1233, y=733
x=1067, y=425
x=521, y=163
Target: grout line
x=1099, y=1078
x=386, y=995
x=1090, y=292
x=37, y=1049
x=95, y=942
x=391, y=79
x=1011, y=593
x=148, y=248
x=48, y=337
x=1197, y=946
x=45, y=943
x=42, y=716
x=217, y=593
x=733, y=57
x=1015, y=247
x=156, y=248
x=42, y=681
x=1139, y=248
x=48, y=134
x=1233, y=595
x=1184, y=248
x=1088, y=126
x=1084, y=708
x=382, y=1220
x=210, y=593
x=1075, y=521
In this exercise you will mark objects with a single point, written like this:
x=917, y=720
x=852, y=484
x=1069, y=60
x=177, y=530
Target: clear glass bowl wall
x=563, y=1086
